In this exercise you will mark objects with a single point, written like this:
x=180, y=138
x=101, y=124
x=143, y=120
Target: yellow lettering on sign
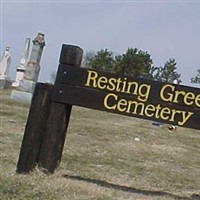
x=113, y=102
x=197, y=100
x=122, y=105
x=141, y=93
x=105, y=102
x=91, y=79
x=169, y=94
x=119, y=85
x=185, y=116
x=167, y=97
x=189, y=98
x=165, y=112
x=102, y=82
x=149, y=111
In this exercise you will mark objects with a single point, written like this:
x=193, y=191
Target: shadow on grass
x=131, y=189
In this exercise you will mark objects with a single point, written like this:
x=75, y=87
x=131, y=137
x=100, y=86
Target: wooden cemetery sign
x=136, y=97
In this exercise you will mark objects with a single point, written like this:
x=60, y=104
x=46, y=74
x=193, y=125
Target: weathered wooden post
x=59, y=115
x=34, y=130
x=47, y=123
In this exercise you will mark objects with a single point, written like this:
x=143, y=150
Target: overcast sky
x=165, y=29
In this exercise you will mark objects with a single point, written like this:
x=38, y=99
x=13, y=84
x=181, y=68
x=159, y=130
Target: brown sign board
x=142, y=98
x=51, y=106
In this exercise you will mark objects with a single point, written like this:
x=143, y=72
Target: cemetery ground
x=105, y=157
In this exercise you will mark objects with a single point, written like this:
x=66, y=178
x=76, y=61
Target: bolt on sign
x=136, y=97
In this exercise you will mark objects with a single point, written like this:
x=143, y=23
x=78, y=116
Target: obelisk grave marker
x=22, y=64
x=26, y=86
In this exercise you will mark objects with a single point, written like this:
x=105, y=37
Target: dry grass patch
x=102, y=160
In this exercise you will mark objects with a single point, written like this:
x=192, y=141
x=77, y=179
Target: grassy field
x=106, y=157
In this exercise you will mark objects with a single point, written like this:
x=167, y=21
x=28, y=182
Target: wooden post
x=34, y=129
x=58, y=118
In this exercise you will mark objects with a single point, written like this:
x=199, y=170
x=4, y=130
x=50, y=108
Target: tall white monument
x=33, y=66
x=4, y=68
x=22, y=64
x=26, y=86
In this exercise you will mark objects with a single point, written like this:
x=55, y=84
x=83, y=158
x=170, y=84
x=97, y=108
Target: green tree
x=87, y=57
x=133, y=63
x=168, y=72
x=196, y=79
x=103, y=60
x=154, y=73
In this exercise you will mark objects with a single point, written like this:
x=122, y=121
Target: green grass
x=101, y=159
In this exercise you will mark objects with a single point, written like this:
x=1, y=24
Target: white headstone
x=22, y=64
x=5, y=64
